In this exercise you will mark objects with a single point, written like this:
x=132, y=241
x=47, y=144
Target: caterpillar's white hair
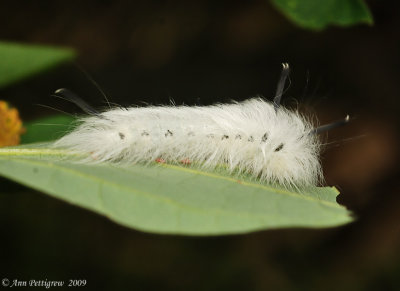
x=274, y=146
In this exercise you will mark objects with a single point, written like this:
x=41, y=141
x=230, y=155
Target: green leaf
x=46, y=129
x=19, y=61
x=170, y=199
x=316, y=14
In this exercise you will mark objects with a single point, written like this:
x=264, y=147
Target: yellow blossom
x=10, y=125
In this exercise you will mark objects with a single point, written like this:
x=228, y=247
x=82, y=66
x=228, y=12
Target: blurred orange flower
x=10, y=125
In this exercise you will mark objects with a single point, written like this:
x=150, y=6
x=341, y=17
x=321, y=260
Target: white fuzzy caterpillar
x=254, y=137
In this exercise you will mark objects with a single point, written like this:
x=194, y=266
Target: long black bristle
x=330, y=126
x=72, y=97
x=281, y=85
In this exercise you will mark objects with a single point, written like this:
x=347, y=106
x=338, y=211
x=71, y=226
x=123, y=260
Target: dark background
x=204, y=52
